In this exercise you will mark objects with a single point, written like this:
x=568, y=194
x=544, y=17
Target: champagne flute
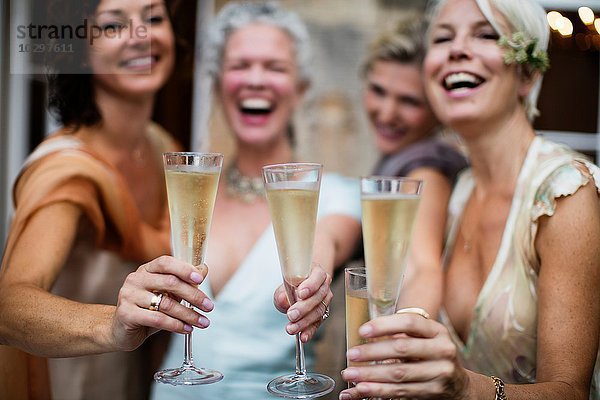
x=293, y=196
x=389, y=207
x=357, y=307
x=192, y=180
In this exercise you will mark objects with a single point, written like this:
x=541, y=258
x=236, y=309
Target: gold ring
x=414, y=310
x=155, y=301
x=326, y=312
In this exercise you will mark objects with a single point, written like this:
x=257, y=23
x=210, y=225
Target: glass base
x=301, y=386
x=188, y=375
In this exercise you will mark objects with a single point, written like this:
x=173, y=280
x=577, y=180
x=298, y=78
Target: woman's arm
x=41, y=323
x=568, y=326
x=569, y=293
x=336, y=237
x=422, y=285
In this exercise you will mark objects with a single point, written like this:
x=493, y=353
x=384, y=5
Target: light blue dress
x=246, y=340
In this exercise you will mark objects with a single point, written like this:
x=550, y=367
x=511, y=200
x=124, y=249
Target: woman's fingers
x=313, y=298
x=415, y=358
x=398, y=371
x=280, y=300
x=171, y=266
x=174, y=309
x=411, y=324
x=419, y=390
x=151, y=296
x=311, y=293
x=309, y=313
x=310, y=310
x=313, y=283
x=404, y=347
x=135, y=317
x=179, y=290
x=170, y=314
x=166, y=274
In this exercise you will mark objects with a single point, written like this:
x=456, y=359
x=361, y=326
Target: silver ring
x=155, y=301
x=414, y=310
x=326, y=312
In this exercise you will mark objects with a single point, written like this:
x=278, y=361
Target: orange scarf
x=63, y=169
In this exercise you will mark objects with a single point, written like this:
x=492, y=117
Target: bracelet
x=499, y=384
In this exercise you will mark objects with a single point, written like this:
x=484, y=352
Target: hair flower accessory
x=521, y=49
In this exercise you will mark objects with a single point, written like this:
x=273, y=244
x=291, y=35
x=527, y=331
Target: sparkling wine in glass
x=293, y=196
x=192, y=180
x=357, y=307
x=389, y=207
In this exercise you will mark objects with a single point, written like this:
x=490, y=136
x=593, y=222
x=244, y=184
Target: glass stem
x=300, y=365
x=188, y=361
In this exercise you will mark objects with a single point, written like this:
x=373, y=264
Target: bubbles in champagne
x=191, y=197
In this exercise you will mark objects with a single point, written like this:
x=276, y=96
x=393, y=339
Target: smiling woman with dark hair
x=84, y=256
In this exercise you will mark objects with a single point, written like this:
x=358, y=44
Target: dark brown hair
x=71, y=96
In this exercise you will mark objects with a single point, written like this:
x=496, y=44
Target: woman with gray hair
x=258, y=57
x=521, y=305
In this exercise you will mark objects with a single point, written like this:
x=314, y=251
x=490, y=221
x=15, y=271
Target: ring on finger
x=414, y=310
x=155, y=301
x=326, y=312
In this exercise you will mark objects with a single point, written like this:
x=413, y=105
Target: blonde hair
x=526, y=16
x=404, y=43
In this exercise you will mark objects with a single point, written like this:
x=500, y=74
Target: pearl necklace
x=246, y=188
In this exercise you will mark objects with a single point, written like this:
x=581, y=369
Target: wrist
x=104, y=332
x=478, y=387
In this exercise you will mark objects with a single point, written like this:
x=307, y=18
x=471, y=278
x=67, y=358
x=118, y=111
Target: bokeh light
x=565, y=27
x=554, y=18
x=587, y=15
x=597, y=24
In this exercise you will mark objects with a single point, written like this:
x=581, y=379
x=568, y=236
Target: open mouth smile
x=461, y=82
x=256, y=106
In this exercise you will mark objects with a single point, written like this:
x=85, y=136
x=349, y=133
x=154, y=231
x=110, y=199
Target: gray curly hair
x=236, y=15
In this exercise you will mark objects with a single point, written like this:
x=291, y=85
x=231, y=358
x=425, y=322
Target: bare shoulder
x=575, y=223
x=434, y=180
x=435, y=195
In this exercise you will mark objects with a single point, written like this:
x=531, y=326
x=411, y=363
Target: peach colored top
x=111, y=242
x=503, y=340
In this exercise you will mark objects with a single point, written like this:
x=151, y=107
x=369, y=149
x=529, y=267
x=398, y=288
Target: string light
x=554, y=19
x=586, y=14
x=570, y=30
x=565, y=27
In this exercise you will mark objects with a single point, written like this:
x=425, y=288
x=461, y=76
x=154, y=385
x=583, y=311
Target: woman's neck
x=250, y=159
x=124, y=120
x=120, y=137
x=497, y=151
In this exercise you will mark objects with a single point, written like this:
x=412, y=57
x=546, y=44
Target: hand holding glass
x=192, y=180
x=293, y=195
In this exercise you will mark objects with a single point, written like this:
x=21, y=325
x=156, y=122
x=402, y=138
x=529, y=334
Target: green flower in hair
x=521, y=49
